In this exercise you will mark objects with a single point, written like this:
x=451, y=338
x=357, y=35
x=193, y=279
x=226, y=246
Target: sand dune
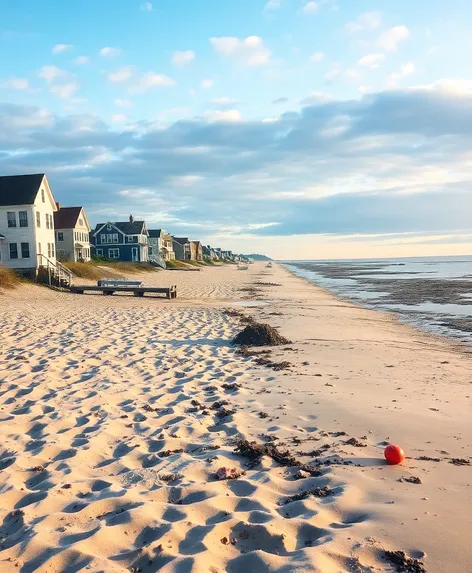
x=116, y=413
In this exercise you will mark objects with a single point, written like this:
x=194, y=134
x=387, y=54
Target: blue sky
x=335, y=128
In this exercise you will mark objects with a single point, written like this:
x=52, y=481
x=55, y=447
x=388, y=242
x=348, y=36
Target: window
x=38, y=219
x=13, y=251
x=129, y=239
x=49, y=250
x=47, y=221
x=81, y=222
x=109, y=227
x=11, y=217
x=113, y=253
x=115, y=237
x=23, y=217
x=99, y=252
x=103, y=239
x=53, y=249
x=60, y=236
x=43, y=198
x=25, y=251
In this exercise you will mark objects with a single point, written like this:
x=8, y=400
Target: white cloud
x=151, y=80
x=64, y=91
x=62, y=83
x=186, y=180
x=223, y=101
x=51, y=73
x=59, y=48
x=390, y=39
x=372, y=61
x=16, y=84
x=317, y=57
x=206, y=84
x=353, y=75
x=123, y=103
x=272, y=5
x=109, y=52
x=366, y=21
x=405, y=70
x=230, y=115
x=81, y=60
x=310, y=8
x=249, y=51
x=146, y=7
x=118, y=118
x=121, y=75
x=180, y=59
x=331, y=75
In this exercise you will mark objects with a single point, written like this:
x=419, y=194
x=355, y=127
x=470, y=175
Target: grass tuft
x=96, y=270
x=8, y=278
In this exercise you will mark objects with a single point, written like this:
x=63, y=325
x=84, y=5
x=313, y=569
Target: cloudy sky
x=301, y=129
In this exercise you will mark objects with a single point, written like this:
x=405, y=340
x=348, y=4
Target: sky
x=299, y=129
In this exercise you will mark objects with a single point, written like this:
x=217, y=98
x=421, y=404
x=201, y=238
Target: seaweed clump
x=259, y=334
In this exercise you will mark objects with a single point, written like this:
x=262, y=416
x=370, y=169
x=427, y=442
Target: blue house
x=123, y=241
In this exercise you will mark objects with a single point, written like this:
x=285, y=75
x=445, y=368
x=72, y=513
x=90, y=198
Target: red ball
x=394, y=454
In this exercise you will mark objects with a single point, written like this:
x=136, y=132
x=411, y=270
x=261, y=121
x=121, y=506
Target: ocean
x=433, y=293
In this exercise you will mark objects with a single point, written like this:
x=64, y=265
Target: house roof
x=126, y=227
x=19, y=189
x=196, y=242
x=66, y=217
x=155, y=233
x=181, y=240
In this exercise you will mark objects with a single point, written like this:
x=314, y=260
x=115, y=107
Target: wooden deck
x=170, y=292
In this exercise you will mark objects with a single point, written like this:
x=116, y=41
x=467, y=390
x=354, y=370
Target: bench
x=170, y=292
x=110, y=283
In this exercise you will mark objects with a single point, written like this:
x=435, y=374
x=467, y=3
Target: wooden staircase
x=53, y=273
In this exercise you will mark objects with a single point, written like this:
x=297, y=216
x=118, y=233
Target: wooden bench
x=111, y=283
x=170, y=292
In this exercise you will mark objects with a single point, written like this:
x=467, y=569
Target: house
x=182, y=248
x=207, y=253
x=218, y=252
x=122, y=241
x=72, y=234
x=197, y=250
x=27, y=210
x=160, y=245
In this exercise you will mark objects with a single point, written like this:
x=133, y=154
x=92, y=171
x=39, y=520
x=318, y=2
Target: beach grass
x=8, y=278
x=175, y=264
x=96, y=270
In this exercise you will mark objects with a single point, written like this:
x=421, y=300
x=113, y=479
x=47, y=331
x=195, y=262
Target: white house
x=27, y=209
x=72, y=234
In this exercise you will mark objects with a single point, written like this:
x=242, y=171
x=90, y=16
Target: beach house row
x=132, y=241
x=36, y=232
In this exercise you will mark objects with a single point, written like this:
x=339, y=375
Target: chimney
x=58, y=205
x=131, y=219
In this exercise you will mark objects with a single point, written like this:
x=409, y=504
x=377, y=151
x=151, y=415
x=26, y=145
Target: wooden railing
x=57, y=272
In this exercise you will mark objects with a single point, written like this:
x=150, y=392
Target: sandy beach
x=116, y=414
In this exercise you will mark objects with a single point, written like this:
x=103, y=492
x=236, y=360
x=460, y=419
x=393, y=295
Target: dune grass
x=175, y=264
x=8, y=278
x=96, y=270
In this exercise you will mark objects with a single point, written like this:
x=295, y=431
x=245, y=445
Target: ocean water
x=433, y=293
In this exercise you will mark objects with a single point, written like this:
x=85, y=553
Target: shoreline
x=461, y=345
x=108, y=464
